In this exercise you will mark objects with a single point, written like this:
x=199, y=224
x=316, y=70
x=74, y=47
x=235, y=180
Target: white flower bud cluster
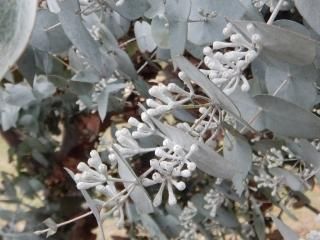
x=189, y=231
x=274, y=158
x=95, y=174
x=286, y=4
x=226, y=68
x=214, y=199
x=264, y=180
x=169, y=97
x=127, y=143
x=172, y=163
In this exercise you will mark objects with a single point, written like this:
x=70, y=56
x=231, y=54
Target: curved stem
x=64, y=223
x=275, y=12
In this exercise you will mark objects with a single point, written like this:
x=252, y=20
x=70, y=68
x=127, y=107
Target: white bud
x=133, y=121
x=191, y=166
x=207, y=51
x=180, y=186
x=185, y=173
x=82, y=167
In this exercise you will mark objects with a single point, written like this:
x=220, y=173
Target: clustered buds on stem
x=226, y=69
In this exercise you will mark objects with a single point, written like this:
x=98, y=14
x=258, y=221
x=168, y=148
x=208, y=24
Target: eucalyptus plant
x=231, y=132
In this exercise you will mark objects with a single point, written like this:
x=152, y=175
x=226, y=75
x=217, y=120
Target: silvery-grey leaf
x=238, y=151
x=27, y=64
x=208, y=87
x=248, y=108
x=42, y=87
x=9, y=116
x=91, y=203
x=75, y=61
x=177, y=13
x=156, y=8
x=47, y=34
x=281, y=43
x=195, y=50
x=142, y=31
x=52, y=225
x=293, y=26
x=88, y=75
x=53, y=6
x=201, y=31
x=168, y=224
x=103, y=98
x=286, y=232
x=19, y=94
x=307, y=152
x=126, y=67
x=309, y=11
x=80, y=37
x=160, y=31
x=163, y=54
x=206, y=159
x=152, y=227
x=252, y=13
x=131, y=9
x=289, y=179
x=258, y=221
x=139, y=195
x=278, y=115
x=16, y=23
x=117, y=24
x=300, y=86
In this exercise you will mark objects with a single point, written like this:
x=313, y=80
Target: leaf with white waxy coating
x=47, y=34
x=286, y=232
x=16, y=22
x=88, y=75
x=203, y=31
x=91, y=203
x=307, y=152
x=19, y=94
x=103, y=98
x=152, y=227
x=80, y=37
x=208, y=87
x=299, y=87
x=279, y=116
x=238, y=151
x=138, y=195
x=160, y=31
x=248, y=108
x=130, y=9
x=258, y=221
x=117, y=24
x=53, y=6
x=52, y=225
x=289, y=179
x=142, y=31
x=156, y=8
x=42, y=87
x=177, y=13
x=206, y=159
x=281, y=43
x=310, y=12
